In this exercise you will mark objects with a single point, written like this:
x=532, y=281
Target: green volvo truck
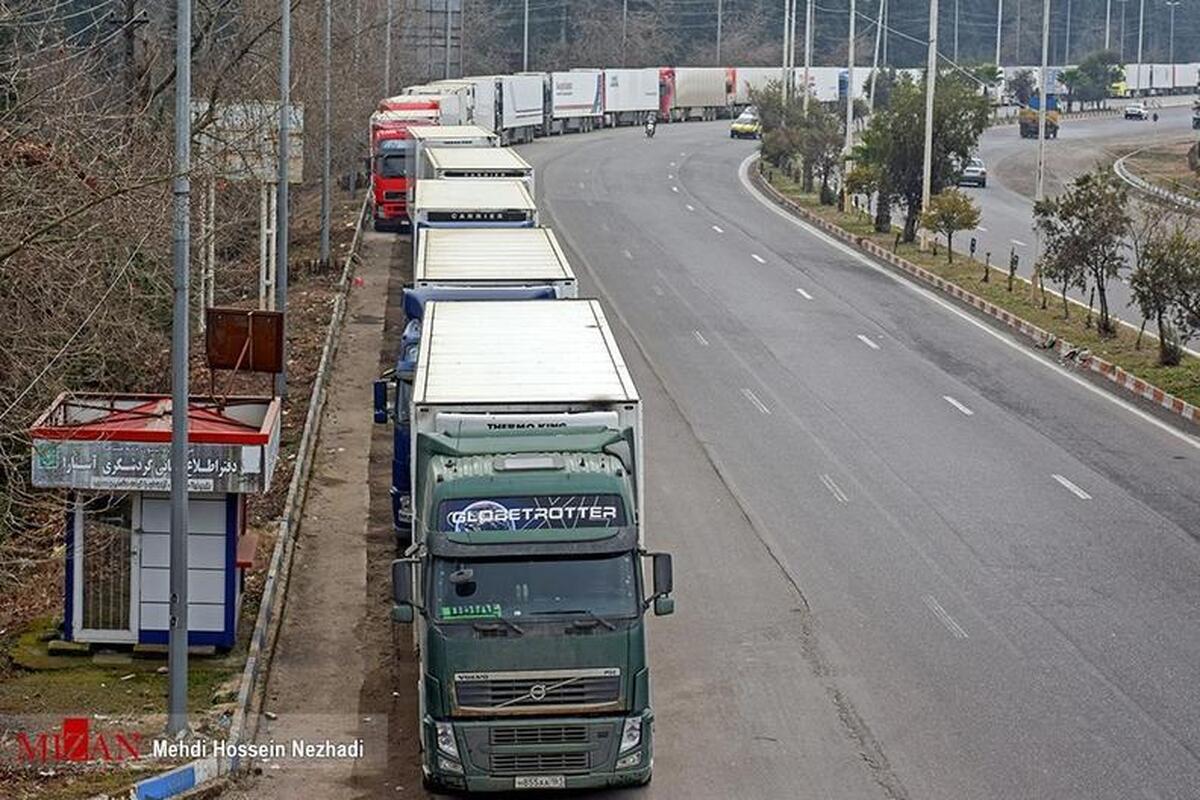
x=526, y=582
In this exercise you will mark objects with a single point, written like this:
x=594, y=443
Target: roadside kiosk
x=112, y=453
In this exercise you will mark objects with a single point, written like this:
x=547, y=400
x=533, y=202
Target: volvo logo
x=537, y=692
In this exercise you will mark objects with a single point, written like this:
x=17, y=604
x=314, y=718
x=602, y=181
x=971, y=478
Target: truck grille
x=534, y=763
x=394, y=196
x=540, y=734
x=534, y=692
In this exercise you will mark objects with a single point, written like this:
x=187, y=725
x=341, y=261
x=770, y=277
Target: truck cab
x=527, y=583
x=391, y=149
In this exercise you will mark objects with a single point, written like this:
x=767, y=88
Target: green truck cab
x=527, y=583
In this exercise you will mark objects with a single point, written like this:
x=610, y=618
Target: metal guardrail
x=1144, y=186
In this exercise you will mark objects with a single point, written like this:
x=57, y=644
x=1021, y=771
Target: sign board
x=106, y=465
x=242, y=339
x=240, y=141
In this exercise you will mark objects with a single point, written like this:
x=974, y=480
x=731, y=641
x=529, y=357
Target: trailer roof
x=475, y=158
x=474, y=195
x=434, y=132
x=519, y=352
x=491, y=254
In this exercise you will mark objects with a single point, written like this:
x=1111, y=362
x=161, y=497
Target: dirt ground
x=1167, y=166
x=339, y=659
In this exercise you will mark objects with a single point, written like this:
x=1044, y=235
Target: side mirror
x=664, y=577
x=381, y=401
x=663, y=606
x=403, y=608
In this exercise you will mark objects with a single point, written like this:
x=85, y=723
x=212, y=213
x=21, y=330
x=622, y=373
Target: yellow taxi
x=746, y=126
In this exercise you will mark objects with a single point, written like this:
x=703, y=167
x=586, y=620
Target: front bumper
x=491, y=760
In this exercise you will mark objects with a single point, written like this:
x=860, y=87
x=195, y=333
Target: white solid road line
x=690, y=207
x=670, y=177
x=672, y=163
x=963, y=315
x=803, y=293
x=981, y=229
x=700, y=338
x=1018, y=243
x=717, y=228
x=834, y=489
x=1072, y=488
x=758, y=258
x=958, y=405
x=675, y=189
x=753, y=398
x=867, y=341
x=627, y=254
x=944, y=617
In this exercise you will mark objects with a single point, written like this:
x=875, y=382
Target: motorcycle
x=650, y=128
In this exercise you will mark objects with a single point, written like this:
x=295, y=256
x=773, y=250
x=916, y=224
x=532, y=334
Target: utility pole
x=1122, y=2
x=387, y=48
x=886, y=31
x=327, y=125
x=281, y=225
x=808, y=42
x=875, y=58
x=625, y=28
x=1018, y=60
x=955, y=31
x=1107, y=24
x=930, y=82
x=1067, y=43
x=999, y=25
x=849, y=143
x=177, y=633
x=720, y=10
x=525, y=50
x=1141, y=30
x=449, y=20
x=1171, y=40
x=1044, y=101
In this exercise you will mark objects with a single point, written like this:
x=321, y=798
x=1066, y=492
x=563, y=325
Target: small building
x=112, y=453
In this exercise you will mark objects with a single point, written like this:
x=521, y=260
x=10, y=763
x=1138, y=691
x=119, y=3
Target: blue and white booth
x=112, y=455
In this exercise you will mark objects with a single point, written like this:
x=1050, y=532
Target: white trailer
x=576, y=100
x=630, y=95
x=476, y=163
x=442, y=136
x=757, y=78
x=490, y=367
x=463, y=91
x=471, y=204
x=493, y=257
x=699, y=92
x=511, y=105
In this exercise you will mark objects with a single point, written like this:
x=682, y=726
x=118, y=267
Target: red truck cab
x=391, y=148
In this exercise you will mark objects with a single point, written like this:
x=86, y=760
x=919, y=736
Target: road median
x=1125, y=362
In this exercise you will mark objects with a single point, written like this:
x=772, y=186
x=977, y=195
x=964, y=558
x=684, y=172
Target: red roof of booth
x=148, y=418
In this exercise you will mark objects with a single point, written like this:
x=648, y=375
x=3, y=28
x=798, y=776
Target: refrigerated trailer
x=704, y=93
x=471, y=204
x=575, y=100
x=476, y=163
x=528, y=473
x=493, y=257
x=630, y=95
x=443, y=136
x=511, y=105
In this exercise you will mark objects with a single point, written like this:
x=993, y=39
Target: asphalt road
x=914, y=559
x=1007, y=202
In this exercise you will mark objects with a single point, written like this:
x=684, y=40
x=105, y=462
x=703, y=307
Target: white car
x=973, y=174
x=1135, y=111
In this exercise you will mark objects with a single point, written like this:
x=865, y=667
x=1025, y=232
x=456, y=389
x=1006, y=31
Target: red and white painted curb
x=1122, y=378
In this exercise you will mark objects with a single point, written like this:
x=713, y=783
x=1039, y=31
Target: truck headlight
x=631, y=734
x=446, y=765
x=629, y=761
x=445, y=739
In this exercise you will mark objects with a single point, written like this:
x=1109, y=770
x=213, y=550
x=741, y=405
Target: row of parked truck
x=518, y=489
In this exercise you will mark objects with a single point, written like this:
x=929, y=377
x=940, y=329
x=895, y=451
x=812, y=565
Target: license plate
x=540, y=782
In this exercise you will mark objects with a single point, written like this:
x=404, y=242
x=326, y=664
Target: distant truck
x=509, y=105
x=1027, y=118
x=630, y=95
x=575, y=100
x=390, y=151
x=703, y=93
x=525, y=582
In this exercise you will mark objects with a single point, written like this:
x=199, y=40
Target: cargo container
x=630, y=95
x=488, y=257
x=475, y=163
x=703, y=93
x=575, y=100
x=471, y=204
x=443, y=137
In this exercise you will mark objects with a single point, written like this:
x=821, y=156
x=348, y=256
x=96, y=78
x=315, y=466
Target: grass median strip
x=1023, y=301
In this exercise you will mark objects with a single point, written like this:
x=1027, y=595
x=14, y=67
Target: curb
x=1144, y=186
x=188, y=777
x=1046, y=340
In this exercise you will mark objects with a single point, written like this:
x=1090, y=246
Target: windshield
x=748, y=116
x=392, y=165
x=516, y=589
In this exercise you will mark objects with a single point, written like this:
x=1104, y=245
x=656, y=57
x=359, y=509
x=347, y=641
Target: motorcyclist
x=651, y=124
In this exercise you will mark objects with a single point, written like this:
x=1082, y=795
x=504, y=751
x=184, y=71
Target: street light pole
x=525, y=50
x=999, y=24
x=849, y=143
x=1141, y=30
x=327, y=124
x=930, y=82
x=1067, y=43
x=624, y=28
x=1171, y=39
x=875, y=58
x=387, y=48
x=281, y=225
x=177, y=633
x=1107, y=24
x=955, y=31
x=808, y=42
x=720, y=9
